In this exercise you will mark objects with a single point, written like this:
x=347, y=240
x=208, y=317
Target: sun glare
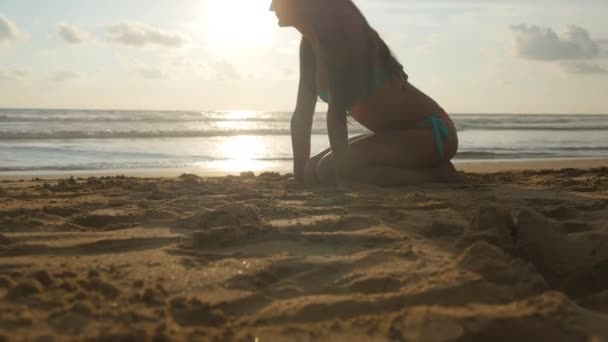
x=241, y=151
x=238, y=23
x=241, y=114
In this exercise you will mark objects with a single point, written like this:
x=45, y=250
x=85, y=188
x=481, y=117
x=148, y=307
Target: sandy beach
x=515, y=252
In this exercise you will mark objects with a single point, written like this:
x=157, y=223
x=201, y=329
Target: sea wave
x=568, y=152
x=138, y=119
x=482, y=155
x=132, y=165
x=110, y=134
x=165, y=164
x=463, y=126
x=462, y=122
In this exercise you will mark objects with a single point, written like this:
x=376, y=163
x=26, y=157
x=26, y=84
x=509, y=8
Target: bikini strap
x=440, y=132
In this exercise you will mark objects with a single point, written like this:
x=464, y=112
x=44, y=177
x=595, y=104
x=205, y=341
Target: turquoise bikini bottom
x=440, y=131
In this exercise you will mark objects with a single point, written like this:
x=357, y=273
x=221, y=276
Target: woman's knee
x=310, y=175
x=325, y=170
x=310, y=170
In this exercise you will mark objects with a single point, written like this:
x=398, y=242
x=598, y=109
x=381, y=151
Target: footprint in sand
x=19, y=212
x=195, y=313
x=576, y=263
x=330, y=223
x=64, y=185
x=231, y=215
x=71, y=321
x=227, y=236
x=190, y=179
x=559, y=212
x=576, y=226
x=369, y=284
x=23, y=289
x=549, y=317
x=333, y=199
x=442, y=229
x=4, y=240
x=108, y=290
x=146, y=187
x=110, y=218
x=490, y=223
x=44, y=278
x=61, y=211
x=495, y=266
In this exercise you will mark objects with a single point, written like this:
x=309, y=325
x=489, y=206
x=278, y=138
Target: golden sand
x=517, y=255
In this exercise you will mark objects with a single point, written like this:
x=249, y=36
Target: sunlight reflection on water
x=242, y=153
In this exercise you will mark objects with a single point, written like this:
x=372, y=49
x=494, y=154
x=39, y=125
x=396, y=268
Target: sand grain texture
x=501, y=257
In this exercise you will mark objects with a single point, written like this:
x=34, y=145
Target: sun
x=238, y=23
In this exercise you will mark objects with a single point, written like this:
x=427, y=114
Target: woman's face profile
x=287, y=11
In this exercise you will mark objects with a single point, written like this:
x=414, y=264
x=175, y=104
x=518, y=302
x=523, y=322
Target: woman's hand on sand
x=294, y=184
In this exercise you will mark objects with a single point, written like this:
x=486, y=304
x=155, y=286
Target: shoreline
x=467, y=167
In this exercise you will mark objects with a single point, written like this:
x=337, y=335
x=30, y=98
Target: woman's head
x=351, y=49
x=294, y=13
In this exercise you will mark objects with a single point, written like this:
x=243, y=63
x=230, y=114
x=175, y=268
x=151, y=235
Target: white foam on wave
x=83, y=140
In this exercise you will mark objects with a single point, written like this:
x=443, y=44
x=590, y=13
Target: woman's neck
x=308, y=34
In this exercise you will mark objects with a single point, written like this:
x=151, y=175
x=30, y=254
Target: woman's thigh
x=410, y=148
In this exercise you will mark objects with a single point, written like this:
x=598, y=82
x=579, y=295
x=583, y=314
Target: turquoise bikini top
x=380, y=75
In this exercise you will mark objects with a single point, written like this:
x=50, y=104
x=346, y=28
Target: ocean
x=61, y=141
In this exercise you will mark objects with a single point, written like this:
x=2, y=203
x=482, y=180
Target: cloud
x=584, y=68
x=534, y=42
x=8, y=30
x=64, y=76
x=140, y=35
x=187, y=64
x=12, y=74
x=220, y=69
x=287, y=71
x=226, y=71
x=291, y=48
x=603, y=48
x=71, y=34
x=432, y=41
x=151, y=73
x=573, y=49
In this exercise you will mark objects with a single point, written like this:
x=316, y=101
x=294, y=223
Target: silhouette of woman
x=345, y=63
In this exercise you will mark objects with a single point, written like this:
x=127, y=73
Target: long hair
x=351, y=65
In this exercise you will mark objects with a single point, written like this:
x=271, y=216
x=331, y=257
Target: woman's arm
x=301, y=121
x=338, y=140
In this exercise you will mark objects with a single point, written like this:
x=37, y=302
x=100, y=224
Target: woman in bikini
x=345, y=63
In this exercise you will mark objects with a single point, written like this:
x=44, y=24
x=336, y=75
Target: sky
x=473, y=56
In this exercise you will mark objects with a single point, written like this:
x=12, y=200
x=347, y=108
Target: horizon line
x=273, y=111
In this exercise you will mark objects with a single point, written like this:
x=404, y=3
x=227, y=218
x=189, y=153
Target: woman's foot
x=385, y=176
x=394, y=176
x=448, y=174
